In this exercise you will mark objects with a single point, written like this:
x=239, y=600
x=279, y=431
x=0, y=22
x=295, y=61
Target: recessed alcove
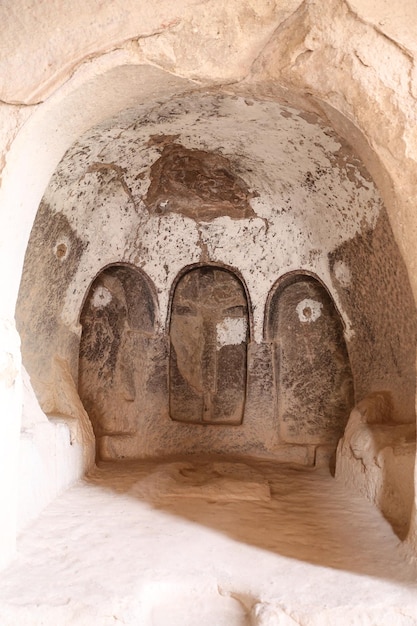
x=215, y=277
x=209, y=334
x=117, y=320
x=312, y=373
x=180, y=446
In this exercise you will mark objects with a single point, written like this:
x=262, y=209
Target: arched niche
x=118, y=320
x=209, y=333
x=313, y=378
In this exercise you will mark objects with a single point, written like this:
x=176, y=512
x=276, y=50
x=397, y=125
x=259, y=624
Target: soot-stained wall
x=369, y=277
x=51, y=261
x=251, y=187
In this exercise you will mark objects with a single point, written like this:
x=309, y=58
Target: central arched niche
x=209, y=332
x=313, y=378
x=117, y=320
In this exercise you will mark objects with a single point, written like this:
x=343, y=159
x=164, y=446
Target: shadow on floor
x=309, y=516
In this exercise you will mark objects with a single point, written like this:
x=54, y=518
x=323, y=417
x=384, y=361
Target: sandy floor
x=193, y=543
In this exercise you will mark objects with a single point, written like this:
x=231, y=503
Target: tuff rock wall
x=216, y=181
x=67, y=69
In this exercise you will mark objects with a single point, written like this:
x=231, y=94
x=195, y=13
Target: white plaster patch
x=101, y=297
x=342, y=273
x=309, y=310
x=231, y=331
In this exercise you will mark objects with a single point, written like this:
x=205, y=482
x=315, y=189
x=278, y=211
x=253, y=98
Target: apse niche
x=208, y=340
x=214, y=274
x=117, y=321
x=312, y=374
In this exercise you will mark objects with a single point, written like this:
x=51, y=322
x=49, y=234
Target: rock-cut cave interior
x=218, y=342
